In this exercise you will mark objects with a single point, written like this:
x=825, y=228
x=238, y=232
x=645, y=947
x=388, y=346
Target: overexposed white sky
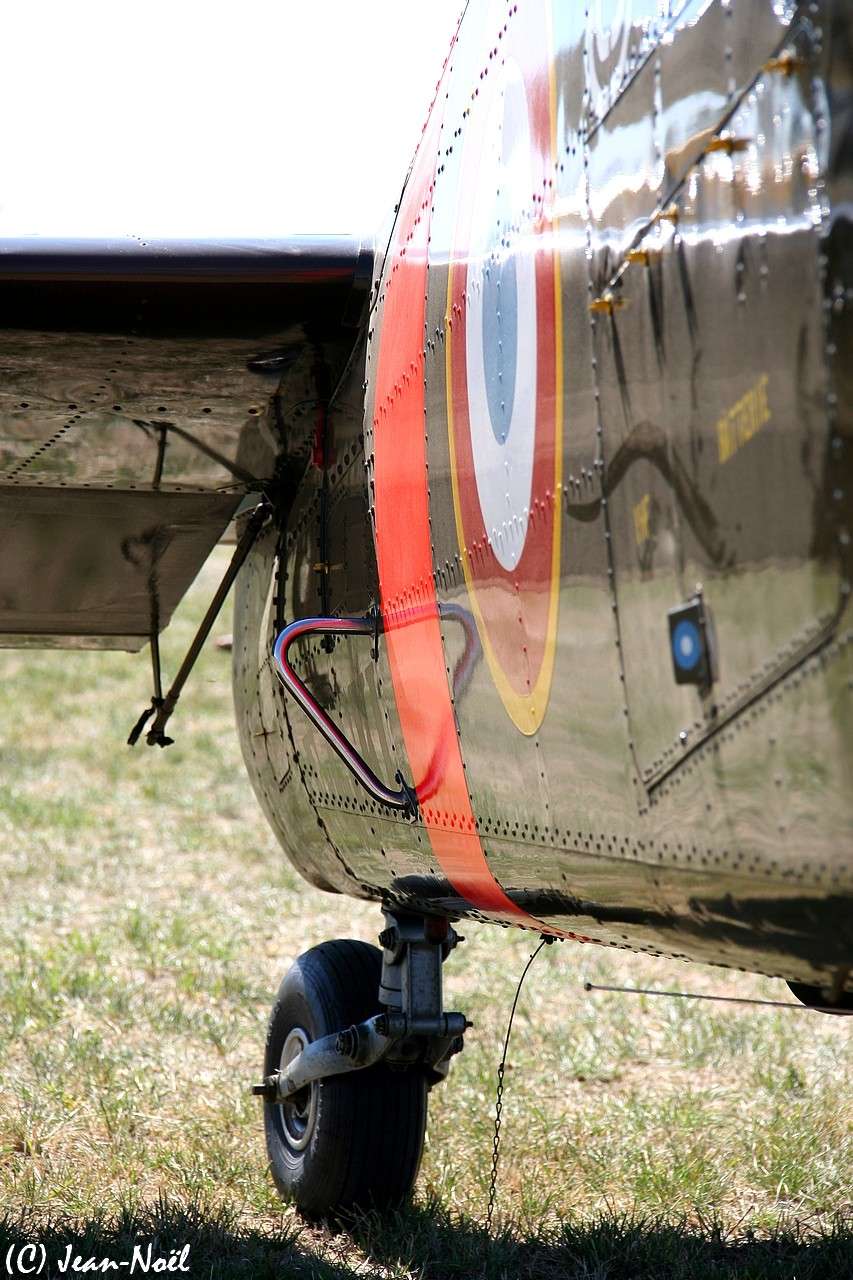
x=204, y=118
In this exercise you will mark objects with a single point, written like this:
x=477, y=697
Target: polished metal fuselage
x=606, y=367
x=698, y=207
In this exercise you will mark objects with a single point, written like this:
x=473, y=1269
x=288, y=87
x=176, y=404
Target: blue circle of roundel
x=500, y=341
x=686, y=645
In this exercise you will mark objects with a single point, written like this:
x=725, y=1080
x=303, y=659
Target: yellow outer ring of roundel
x=526, y=711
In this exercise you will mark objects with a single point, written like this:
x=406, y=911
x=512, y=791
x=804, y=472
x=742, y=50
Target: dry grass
x=146, y=920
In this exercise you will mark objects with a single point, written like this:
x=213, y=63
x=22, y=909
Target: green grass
x=146, y=919
x=429, y=1243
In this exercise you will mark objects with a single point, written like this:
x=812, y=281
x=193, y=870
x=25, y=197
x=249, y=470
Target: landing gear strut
x=356, y=1038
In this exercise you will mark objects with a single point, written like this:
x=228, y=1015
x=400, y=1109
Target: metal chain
x=499, y=1092
x=591, y=986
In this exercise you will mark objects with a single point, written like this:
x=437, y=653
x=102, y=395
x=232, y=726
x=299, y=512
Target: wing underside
x=140, y=406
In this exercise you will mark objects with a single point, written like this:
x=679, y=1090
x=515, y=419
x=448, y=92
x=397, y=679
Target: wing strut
x=161, y=707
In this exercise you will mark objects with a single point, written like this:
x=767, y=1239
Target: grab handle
x=405, y=798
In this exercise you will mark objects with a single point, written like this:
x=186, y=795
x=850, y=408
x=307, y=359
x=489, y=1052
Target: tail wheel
x=351, y=1141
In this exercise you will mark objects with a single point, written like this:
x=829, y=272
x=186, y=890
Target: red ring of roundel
x=514, y=605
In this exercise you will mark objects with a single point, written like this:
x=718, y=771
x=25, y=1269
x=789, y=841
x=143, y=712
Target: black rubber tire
x=368, y=1132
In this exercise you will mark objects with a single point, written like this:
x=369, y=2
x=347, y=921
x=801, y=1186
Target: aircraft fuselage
x=598, y=481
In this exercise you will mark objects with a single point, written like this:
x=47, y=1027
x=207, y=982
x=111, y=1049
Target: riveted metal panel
x=712, y=358
x=513, y=797
x=739, y=854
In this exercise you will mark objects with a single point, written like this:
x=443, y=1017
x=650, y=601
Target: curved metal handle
x=405, y=798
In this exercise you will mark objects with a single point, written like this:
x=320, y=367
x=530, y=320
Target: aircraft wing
x=140, y=404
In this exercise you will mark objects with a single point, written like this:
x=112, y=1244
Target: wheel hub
x=299, y=1111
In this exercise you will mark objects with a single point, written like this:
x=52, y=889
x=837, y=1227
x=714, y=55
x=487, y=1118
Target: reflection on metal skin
x=654, y=201
x=701, y=176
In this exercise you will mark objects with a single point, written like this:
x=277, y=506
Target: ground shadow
x=218, y=1246
x=433, y=1245
x=426, y=1243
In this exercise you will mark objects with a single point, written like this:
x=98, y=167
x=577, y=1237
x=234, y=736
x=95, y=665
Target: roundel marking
x=404, y=558
x=504, y=375
x=415, y=648
x=500, y=333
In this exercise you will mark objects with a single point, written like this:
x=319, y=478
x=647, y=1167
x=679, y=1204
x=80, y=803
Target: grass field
x=146, y=919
